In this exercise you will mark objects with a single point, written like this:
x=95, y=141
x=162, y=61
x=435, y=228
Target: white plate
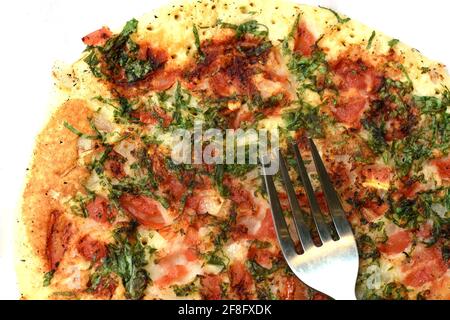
x=36, y=33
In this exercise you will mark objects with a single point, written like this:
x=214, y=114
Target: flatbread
x=102, y=192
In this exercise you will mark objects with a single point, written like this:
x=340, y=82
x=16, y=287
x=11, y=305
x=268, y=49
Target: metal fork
x=332, y=267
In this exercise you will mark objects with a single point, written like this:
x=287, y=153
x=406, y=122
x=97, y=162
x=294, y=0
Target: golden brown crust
x=54, y=172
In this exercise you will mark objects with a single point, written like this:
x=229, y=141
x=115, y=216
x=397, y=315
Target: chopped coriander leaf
x=122, y=113
x=427, y=203
x=405, y=73
x=376, y=142
x=395, y=91
x=372, y=37
x=126, y=258
x=150, y=140
x=93, y=62
x=429, y=105
x=367, y=248
x=185, y=290
x=294, y=27
x=216, y=260
x=136, y=69
x=446, y=199
x=224, y=228
x=261, y=244
x=409, y=152
x=163, y=96
x=436, y=119
x=239, y=170
x=78, y=132
x=406, y=214
x=120, y=53
x=256, y=51
x=122, y=109
x=97, y=164
x=213, y=118
x=218, y=178
x=137, y=186
x=79, y=202
x=338, y=17
x=182, y=102
x=393, y=43
x=101, y=136
x=395, y=291
x=260, y=273
x=309, y=70
x=264, y=292
x=251, y=27
x=201, y=54
x=306, y=117
x=48, y=276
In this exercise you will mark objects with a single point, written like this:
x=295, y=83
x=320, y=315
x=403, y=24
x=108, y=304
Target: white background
x=34, y=33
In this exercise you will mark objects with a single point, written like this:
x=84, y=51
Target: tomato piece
x=175, y=188
x=145, y=117
x=292, y=289
x=373, y=210
x=191, y=237
x=175, y=267
x=241, y=198
x=91, y=250
x=350, y=110
x=174, y=273
x=152, y=117
x=381, y=174
x=222, y=85
x=211, y=287
x=427, y=265
x=411, y=190
x=98, y=37
x=144, y=209
x=443, y=167
x=396, y=243
x=267, y=228
x=99, y=210
x=193, y=202
x=356, y=75
x=60, y=232
x=263, y=257
x=164, y=79
x=304, y=40
x=241, y=280
x=191, y=255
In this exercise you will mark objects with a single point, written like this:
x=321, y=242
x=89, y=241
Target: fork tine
x=322, y=227
x=281, y=228
x=334, y=204
x=301, y=227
